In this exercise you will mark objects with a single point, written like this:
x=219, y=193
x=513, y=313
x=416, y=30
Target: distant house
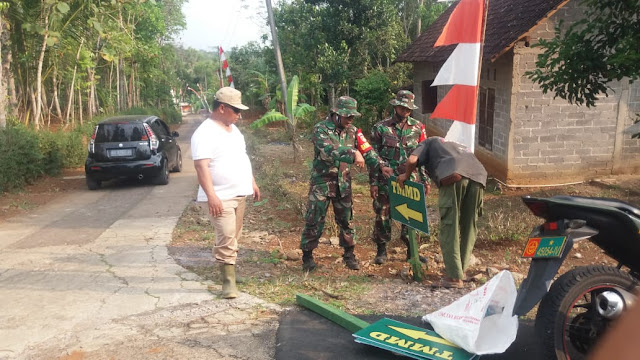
x=522, y=135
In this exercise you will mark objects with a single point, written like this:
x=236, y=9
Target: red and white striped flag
x=465, y=28
x=225, y=67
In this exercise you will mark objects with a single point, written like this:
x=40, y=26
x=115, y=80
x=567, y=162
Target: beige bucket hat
x=230, y=96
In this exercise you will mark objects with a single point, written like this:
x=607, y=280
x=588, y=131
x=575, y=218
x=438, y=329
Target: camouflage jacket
x=334, y=152
x=395, y=145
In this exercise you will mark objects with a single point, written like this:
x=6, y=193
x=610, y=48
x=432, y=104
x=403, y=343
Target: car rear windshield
x=120, y=132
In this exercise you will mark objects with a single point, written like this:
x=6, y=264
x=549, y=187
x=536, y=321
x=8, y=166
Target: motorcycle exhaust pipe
x=612, y=303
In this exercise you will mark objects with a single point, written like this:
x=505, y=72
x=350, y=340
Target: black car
x=133, y=146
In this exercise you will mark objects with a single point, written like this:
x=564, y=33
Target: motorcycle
x=578, y=307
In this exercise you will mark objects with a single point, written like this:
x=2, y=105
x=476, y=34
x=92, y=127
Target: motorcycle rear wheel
x=567, y=321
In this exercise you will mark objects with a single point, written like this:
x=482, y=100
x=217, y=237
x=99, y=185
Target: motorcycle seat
x=617, y=204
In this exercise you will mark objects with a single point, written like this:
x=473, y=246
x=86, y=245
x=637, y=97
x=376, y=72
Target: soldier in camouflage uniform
x=394, y=139
x=337, y=145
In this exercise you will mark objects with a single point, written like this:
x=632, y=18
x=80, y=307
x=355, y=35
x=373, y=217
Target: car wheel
x=178, y=166
x=93, y=184
x=163, y=177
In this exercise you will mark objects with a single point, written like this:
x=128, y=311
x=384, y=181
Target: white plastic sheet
x=481, y=321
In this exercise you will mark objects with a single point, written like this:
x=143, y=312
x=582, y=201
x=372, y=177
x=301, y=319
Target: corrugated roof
x=507, y=22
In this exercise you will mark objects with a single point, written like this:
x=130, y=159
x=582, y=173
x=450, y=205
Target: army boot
x=229, y=290
x=307, y=261
x=381, y=255
x=349, y=258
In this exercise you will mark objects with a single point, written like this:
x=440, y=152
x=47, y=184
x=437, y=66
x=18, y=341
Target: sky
x=226, y=23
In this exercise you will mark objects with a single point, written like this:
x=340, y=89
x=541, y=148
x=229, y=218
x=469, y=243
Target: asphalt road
x=305, y=335
x=89, y=276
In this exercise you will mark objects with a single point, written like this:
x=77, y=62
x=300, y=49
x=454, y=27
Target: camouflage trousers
x=382, y=225
x=315, y=218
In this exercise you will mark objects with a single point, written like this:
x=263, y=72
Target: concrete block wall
x=631, y=147
x=553, y=140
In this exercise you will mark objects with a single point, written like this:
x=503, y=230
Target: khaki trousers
x=228, y=228
x=460, y=205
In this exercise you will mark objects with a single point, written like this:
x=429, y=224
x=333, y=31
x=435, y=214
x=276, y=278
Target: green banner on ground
x=411, y=341
x=408, y=204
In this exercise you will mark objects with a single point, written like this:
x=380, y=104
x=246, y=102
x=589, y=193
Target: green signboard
x=411, y=341
x=408, y=204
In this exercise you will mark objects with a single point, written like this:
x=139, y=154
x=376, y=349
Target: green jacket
x=334, y=152
x=394, y=145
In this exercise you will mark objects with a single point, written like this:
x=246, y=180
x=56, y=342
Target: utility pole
x=276, y=49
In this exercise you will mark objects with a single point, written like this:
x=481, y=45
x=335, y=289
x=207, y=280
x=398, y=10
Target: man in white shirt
x=226, y=179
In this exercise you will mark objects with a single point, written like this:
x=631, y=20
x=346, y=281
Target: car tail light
x=153, y=140
x=92, y=142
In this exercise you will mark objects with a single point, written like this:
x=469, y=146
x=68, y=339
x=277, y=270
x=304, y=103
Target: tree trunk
x=419, y=24
x=56, y=100
x=38, y=110
x=132, y=90
x=80, y=105
x=11, y=82
x=44, y=103
x=73, y=81
x=118, y=99
x=3, y=85
x=33, y=105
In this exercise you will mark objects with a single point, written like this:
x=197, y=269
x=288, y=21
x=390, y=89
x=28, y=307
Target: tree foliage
x=73, y=59
x=582, y=58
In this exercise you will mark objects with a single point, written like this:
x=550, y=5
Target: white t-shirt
x=230, y=167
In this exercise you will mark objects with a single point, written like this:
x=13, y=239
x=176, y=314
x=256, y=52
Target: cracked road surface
x=88, y=276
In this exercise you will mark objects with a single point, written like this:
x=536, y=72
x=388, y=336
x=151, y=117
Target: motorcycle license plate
x=544, y=247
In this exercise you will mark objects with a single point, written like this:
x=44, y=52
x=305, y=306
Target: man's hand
x=373, y=189
x=215, y=206
x=256, y=191
x=401, y=179
x=386, y=171
x=427, y=188
x=359, y=160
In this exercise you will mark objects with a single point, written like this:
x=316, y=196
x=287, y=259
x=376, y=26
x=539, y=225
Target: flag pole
x=220, y=64
x=484, y=30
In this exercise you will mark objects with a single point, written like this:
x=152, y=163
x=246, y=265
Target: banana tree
x=296, y=110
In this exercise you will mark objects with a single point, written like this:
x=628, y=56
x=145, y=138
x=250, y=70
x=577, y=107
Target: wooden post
x=336, y=315
x=414, y=260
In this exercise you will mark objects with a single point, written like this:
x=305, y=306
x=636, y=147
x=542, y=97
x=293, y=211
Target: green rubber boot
x=229, y=290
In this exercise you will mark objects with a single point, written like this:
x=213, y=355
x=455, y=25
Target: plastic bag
x=481, y=321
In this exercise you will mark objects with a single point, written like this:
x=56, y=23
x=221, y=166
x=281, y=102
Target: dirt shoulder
x=270, y=258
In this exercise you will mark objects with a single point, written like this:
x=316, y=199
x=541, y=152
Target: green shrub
x=20, y=157
x=171, y=115
x=73, y=147
x=52, y=156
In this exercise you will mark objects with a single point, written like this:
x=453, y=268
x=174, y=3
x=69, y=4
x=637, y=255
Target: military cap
x=346, y=106
x=404, y=98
